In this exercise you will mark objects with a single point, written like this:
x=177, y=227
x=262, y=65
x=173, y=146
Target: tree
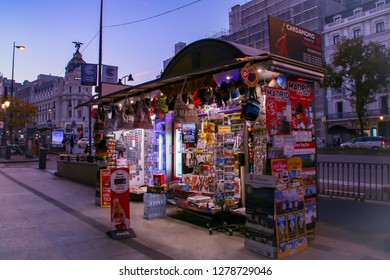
x=362, y=69
x=19, y=113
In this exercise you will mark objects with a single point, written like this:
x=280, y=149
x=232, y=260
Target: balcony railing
x=353, y=115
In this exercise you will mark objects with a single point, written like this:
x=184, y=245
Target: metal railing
x=360, y=181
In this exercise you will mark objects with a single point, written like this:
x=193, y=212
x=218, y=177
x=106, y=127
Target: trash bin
x=8, y=152
x=42, y=158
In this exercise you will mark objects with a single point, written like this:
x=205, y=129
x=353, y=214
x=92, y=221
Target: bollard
x=42, y=158
x=8, y=152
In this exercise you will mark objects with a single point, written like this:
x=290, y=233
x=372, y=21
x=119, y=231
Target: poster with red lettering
x=290, y=111
x=105, y=190
x=120, y=198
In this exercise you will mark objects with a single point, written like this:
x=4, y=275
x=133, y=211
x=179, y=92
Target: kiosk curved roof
x=207, y=53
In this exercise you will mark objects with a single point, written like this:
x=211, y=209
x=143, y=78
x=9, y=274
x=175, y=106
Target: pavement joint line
x=147, y=251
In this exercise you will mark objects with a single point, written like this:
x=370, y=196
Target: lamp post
x=20, y=47
x=4, y=106
x=129, y=79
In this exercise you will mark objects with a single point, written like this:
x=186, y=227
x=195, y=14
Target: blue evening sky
x=48, y=27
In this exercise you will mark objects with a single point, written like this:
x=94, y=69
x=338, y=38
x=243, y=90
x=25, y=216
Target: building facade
x=248, y=25
x=370, y=20
x=56, y=99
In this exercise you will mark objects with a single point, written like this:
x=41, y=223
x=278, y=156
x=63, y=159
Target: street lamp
x=20, y=47
x=129, y=79
x=4, y=106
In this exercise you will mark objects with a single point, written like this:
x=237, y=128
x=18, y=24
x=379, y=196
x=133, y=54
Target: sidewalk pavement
x=45, y=217
x=16, y=158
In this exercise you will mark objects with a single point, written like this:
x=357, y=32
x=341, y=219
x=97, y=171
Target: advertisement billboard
x=294, y=42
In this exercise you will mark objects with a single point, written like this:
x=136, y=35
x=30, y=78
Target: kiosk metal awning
x=208, y=57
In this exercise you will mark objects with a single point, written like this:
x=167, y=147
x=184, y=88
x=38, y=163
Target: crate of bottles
x=154, y=205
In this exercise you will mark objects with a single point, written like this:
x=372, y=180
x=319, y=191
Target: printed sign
x=120, y=198
x=110, y=74
x=88, y=74
x=105, y=190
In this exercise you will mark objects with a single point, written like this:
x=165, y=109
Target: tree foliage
x=362, y=69
x=19, y=113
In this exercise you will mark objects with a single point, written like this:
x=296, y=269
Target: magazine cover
x=281, y=224
x=311, y=214
x=289, y=200
x=294, y=167
x=292, y=225
x=301, y=223
x=279, y=170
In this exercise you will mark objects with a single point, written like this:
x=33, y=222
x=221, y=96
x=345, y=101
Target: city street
x=47, y=217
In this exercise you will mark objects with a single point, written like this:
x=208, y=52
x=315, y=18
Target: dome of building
x=75, y=62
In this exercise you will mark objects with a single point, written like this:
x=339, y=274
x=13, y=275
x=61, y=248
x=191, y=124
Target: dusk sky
x=138, y=35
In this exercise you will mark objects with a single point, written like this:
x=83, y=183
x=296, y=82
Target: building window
x=336, y=39
x=337, y=18
x=357, y=33
x=384, y=105
x=339, y=109
x=380, y=3
x=69, y=114
x=380, y=27
x=70, y=89
x=357, y=11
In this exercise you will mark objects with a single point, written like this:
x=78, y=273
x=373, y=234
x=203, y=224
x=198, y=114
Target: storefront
x=227, y=128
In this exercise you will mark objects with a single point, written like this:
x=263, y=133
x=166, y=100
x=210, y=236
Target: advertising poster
x=89, y=74
x=105, y=188
x=120, y=198
x=57, y=136
x=294, y=42
x=279, y=170
x=290, y=112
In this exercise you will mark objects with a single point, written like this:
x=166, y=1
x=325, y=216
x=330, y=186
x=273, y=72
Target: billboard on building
x=294, y=42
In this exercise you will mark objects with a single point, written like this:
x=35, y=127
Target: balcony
x=352, y=115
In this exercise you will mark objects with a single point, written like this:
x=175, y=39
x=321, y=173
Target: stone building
x=371, y=21
x=56, y=98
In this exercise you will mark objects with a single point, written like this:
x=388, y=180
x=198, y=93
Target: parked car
x=365, y=142
x=83, y=142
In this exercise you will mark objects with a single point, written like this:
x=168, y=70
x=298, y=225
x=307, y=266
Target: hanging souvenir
x=185, y=112
x=126, y=116
x=142, y=116
x=111, y=119
x=251, y=106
